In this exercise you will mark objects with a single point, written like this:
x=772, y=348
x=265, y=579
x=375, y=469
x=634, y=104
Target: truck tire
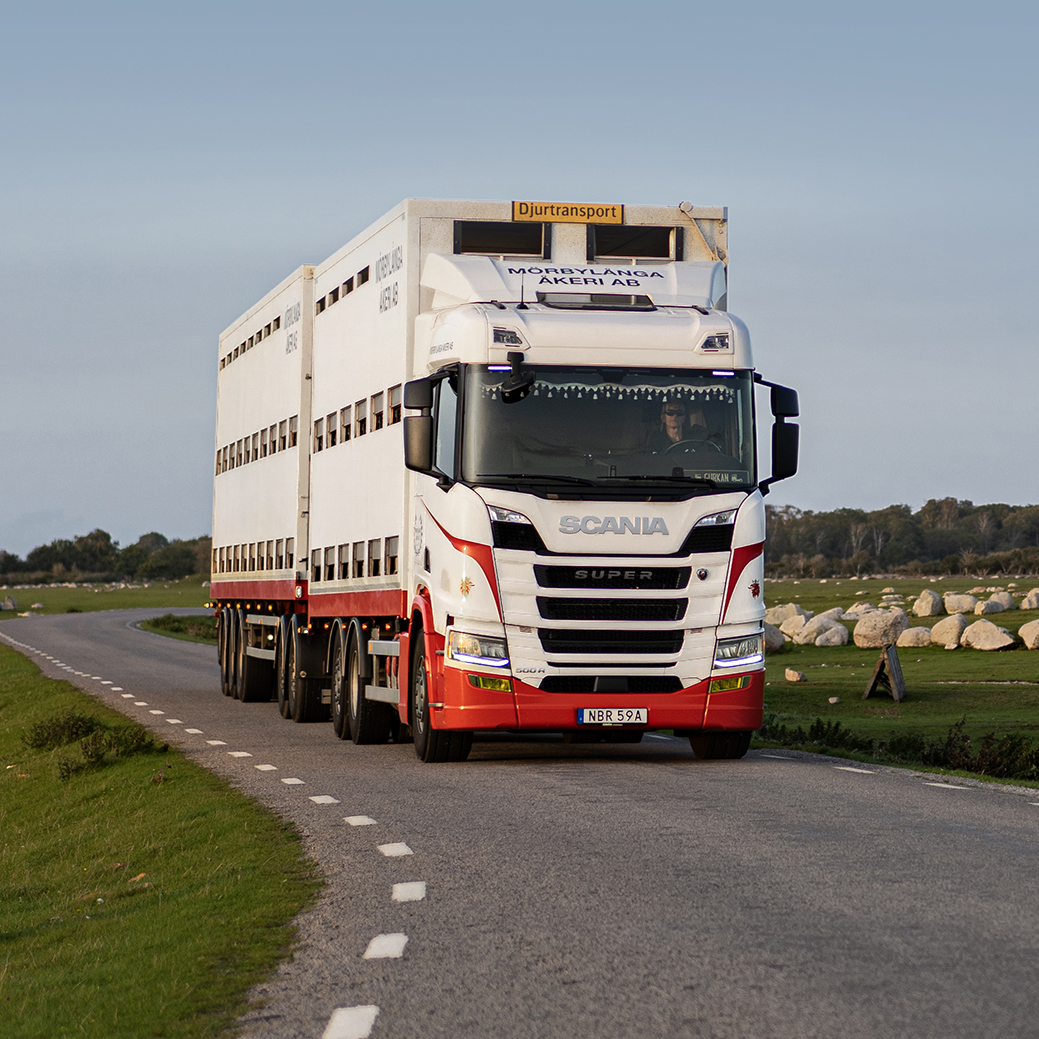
x=224, y=648
x=304, y=693
x=340, y=719
x=716, y=745
x=369, y=720
x=281, y=668
x=430, y=744
x=234, y=652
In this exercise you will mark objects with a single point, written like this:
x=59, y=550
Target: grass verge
x=191, y=591
x=139, y=895
x=989, y=693
x=191, y=629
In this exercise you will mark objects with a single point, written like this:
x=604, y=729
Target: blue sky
x=163, y=168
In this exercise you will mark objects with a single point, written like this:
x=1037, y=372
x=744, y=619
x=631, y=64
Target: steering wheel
x=686, y=446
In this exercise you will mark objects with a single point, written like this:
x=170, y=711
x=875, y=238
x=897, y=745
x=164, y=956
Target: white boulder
x=985, y=635
x=915, y=637
x=860, y=608
x=929, y=604
x=774, y=639
x=1029, y=634
x=792, y=625
x=794, y=676
x=988, y=606
x=837, y=635
x=957, y=603
x=777, y=614
x=1031, y=600
x=814, y=628
x=880, y=629
x=1005, y=599
x=948, y=631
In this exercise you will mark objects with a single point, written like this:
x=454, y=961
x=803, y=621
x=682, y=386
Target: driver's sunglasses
x=674, y=411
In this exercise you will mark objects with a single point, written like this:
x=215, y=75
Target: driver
x=674, y=428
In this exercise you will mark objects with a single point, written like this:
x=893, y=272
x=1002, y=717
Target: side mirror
x=418, y=394
x=784, y=402
x=418, y=438
x=785, y=441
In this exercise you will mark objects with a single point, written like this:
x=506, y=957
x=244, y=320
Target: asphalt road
x=549, y=890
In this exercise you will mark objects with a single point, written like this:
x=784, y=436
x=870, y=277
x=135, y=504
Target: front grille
x=630, y=684
x=562, y=640
x=612, y=609
x=707, y=539
x=631, y=577
x=521, y=536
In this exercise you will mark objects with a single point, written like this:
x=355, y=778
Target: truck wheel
x=369, y=721
x=281, y=669
x=431, y=744
x=303, y=698
x=224, y=644
x=235, y=652
x=720, y=744
x=340, y=721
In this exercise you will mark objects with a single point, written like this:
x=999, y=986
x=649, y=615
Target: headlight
x=741, y=652
x=719, y=519
x=500, y=515
x=482, y=650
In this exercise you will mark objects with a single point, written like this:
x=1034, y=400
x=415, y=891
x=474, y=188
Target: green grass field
x=138, y=897
x=996, y=692
x=191, y=591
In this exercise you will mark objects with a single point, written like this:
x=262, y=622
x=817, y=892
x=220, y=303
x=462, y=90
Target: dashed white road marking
x=195, y=732
x=393, y=851
x=293, y=782
x=238, y=754
x=140, y=703
x=154, y=711
x=217, y=743
x=324, y=799
x=351, y=1023
x=115, y=688
x=93, y=678
x=778, y=757
x=106, y=683
x=359, y=820
x=386, y=947
x=1034, y=804
x=947, y=786
x=861, y=771
x=127, y=696
x=412, y=891
x=174, y=721
x=267, y=768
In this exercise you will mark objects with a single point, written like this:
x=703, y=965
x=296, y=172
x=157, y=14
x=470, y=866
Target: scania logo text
x=612, y=525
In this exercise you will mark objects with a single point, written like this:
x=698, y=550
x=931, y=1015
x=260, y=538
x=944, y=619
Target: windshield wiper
x=665, y=478
x=538, y=478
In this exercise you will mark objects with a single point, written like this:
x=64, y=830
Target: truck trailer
x=494, y=466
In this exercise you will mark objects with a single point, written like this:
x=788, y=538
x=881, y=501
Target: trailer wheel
x=235, y=653
x=281, y=671
x=720, y=744
x=303, y=695
x=224, y=643
x=340, y=719
x=430, y=744
x=369, y=721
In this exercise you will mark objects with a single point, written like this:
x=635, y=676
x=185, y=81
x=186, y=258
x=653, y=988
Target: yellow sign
x=567, y=213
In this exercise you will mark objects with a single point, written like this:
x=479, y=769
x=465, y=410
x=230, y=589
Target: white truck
x=493, y=466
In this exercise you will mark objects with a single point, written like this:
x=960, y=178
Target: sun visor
x=479, y=279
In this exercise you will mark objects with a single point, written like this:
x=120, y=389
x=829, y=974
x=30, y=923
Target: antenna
x=523, y=301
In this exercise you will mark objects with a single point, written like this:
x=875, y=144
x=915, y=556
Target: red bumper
x=526, y=707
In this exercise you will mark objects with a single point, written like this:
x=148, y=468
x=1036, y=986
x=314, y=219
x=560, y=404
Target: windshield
x=609, y=426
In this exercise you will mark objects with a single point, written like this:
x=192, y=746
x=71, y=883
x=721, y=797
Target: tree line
x=96, y=556
x=944, y=536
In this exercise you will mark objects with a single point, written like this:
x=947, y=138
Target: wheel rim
x=337, y=684
x=355, y=683
x=421, y=699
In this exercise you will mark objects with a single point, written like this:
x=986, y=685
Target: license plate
x=612, y=715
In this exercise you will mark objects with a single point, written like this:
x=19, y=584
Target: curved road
x=548, y=890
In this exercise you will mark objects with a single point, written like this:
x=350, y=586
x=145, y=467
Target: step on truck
x=494, y=466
